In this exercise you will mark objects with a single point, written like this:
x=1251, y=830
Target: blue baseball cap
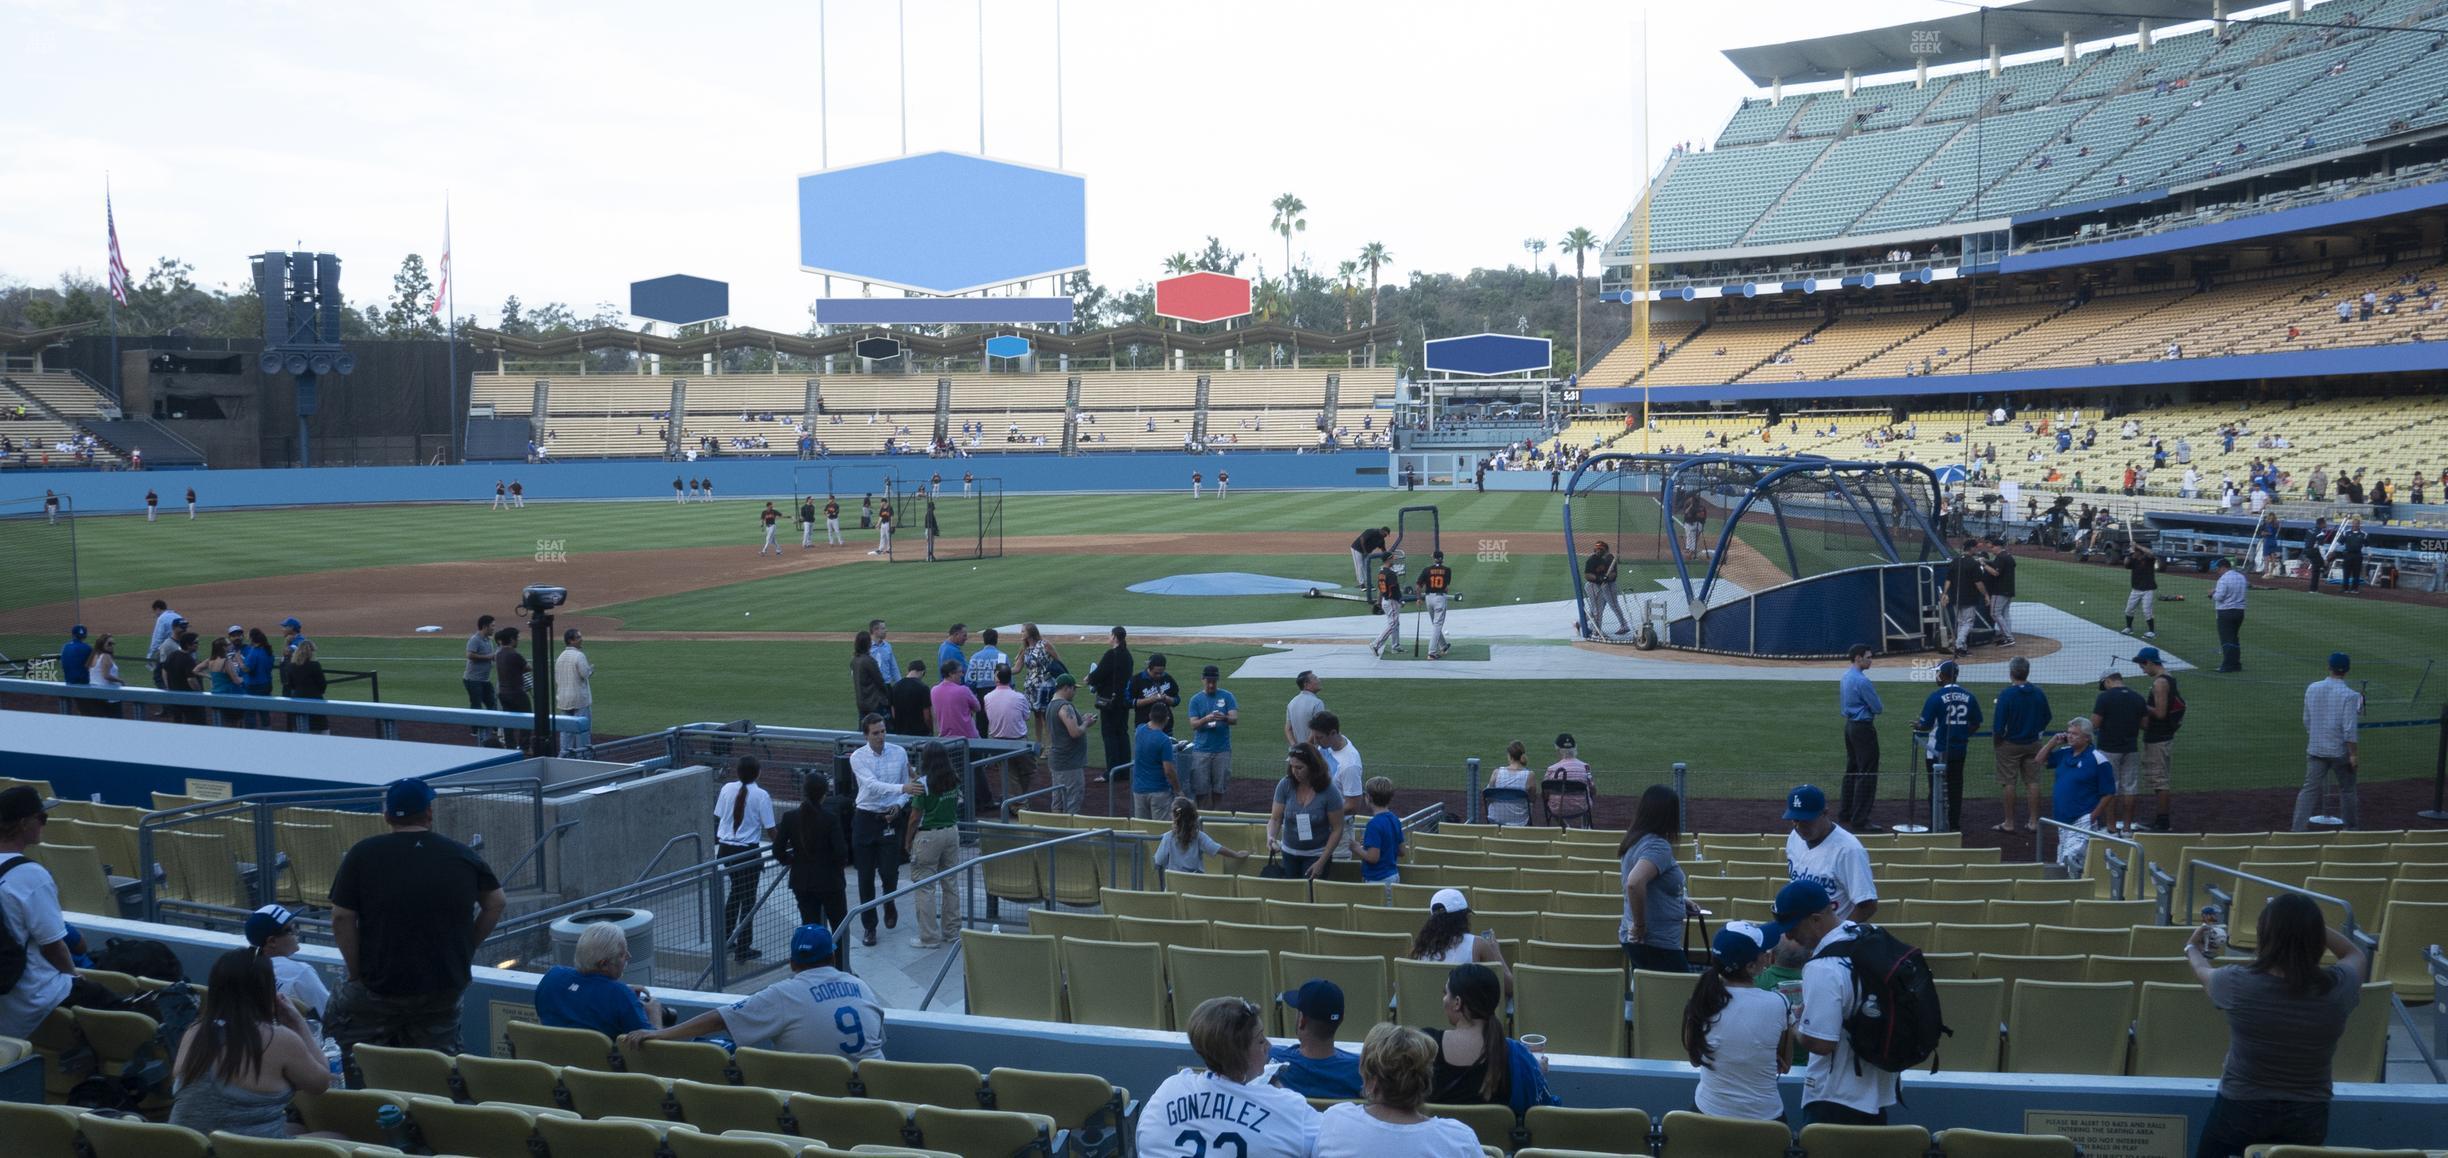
x=2148, y=655
x=811, y=945
x=1805, y=803
x=1317, y=999
x=77, y=632
x=406, y=798
x=1798, y=900
x=292, y=622
x=266, y=923
x=1741, y=942
x=2339, y=661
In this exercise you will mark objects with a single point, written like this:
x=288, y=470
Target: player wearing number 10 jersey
x=1229, y=1109
x=817, y=1009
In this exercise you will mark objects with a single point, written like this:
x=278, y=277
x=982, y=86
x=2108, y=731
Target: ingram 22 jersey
x=1196, y=1114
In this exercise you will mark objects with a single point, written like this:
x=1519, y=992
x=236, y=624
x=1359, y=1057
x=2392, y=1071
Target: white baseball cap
x=1448, y=901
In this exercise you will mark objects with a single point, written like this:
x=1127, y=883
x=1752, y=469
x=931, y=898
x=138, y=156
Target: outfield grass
x=2243, y=730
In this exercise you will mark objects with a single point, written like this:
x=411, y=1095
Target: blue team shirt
x=1334, y=1077
x=1219, y=737
x=1950, y=715
x=73, y=660
x=569, y=999
x=1854, y=694
x=949, y=652
x=2083, y=780
x=2022, y=713
x=883, y=655
x=1150, y=749
x=1384, y=832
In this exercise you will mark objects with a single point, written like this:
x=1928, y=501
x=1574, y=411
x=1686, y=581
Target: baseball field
x=687, y=622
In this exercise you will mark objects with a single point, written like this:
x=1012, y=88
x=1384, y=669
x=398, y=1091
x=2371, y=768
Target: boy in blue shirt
x=1314, y=1068
x=1154, y=782
x=1381, y=842
x=592, y=996
x=1950, y=716
x=2022, y=715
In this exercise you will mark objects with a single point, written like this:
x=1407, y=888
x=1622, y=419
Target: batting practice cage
x=38, y=583
x=1794, y=558
x=968, y=518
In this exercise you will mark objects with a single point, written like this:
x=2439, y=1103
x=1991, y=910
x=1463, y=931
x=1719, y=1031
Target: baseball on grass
x=747, y=613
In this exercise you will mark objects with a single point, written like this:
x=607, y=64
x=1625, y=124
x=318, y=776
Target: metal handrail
x=2353, y=931
x=696, y=842
x=540, y=919
x=841, y=930
x=538, y=846
x=2117, y=867
x=386, y=716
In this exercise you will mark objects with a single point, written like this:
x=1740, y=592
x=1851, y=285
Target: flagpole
x=111, y=223
x=450, y=294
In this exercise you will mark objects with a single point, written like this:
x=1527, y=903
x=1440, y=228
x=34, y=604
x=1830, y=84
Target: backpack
x=140, y=957
x=1896, y=1022
x=12, y=950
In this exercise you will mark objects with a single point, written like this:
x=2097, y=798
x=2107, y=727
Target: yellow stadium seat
x=2179, y=1034
x=1580, y=1010
x=1011, y=975
x=1198, y=974
x=1116, y=983
x=2067, y=1027
x=1976, y=1011
x=1690, y=1135
x=2409, y=928
x=1657, y=1013
x=1362, y=980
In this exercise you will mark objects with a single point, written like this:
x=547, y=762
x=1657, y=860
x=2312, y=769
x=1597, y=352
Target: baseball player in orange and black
x=191, y=504
x=807, y=522
x=884, y=525
x=1389, y=597
x=833, y=535
x=1436, y=583
x=772, y=520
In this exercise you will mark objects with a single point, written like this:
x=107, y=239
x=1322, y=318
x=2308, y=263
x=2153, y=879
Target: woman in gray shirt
x=1308, y=815
x=1654, y=904
x=2285, y=1014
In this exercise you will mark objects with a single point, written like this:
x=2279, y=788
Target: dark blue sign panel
x=1007, y=346
x=943, y=223
x=943, y=311
x=679, y=299
x=1488, y=354
x=877, y=349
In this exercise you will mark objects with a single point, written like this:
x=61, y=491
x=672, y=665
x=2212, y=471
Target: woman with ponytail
x=1736, y=1032
x=1476, y=1064
x=743, y=819
x=247, y=1055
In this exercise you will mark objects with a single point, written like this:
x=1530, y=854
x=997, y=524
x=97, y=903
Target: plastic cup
x=1534, y=1042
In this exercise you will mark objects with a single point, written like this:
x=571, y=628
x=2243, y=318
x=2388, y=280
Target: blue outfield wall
x=112, y=492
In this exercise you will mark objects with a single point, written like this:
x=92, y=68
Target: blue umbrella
x=1949, y=474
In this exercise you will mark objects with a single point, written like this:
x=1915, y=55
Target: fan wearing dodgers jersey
x=1948, y=718
x=817, y=1009
x=1820, y=851
x=1229, y=1108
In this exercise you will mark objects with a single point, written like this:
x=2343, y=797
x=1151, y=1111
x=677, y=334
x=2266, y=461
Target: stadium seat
x=2014, y=967
x=2103, y=914
x=474, y=1131
x=1238, y=910
x=413, y=1071
x=1293, y=890
x=1572, y=929
x=806, y=1073
x=1307, y=915
x=695, y=1144
x=2364, y=895
x=976, y=1131
x=597, y=1093
x=41, y=1131
x=2410, y=928
x=1090, y=1108
x=1191, y=886
x=1198, y=974
x=1419, y=992
x=1116, y=983
x=495, y=1079
x=1980, y=939
x=1135, y=903
x=117, y=1137
x=697, y=1061
x=1273, y=939
x=1083, y=926
x=1344, y=943
x=1362, y=979
x=228, y=1145
x=1495, y=1125
x=2179, y=1034
x=2059, y=940
x=1823, y=1140
x=852, y=1122
x=1962, y=1143
x=1685, y=1134
x=2067, y=1027
x=1012, y=975
x=1950, y=966
x=2158, y=940
x=1976, y=1012
x=123, y=1041
x=716, y=1108
x=624, y=1139
x=1558, y=956
x=2362, y=1053
x=352, y=1114
x=1657, y=1013
x=1373, y=918
x=77, y=869
x=2057, y=912
x=921, y=1083
x=1601, y=1131
x=1580, y=1010
x=580, y=1048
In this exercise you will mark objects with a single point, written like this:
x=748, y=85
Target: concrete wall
x=2373, y=1116
x=760, y=478
x=622, y=827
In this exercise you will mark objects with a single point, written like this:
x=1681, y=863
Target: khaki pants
x=936, y=850
x=1069, y=785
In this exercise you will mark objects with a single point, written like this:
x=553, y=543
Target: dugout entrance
x=1759, y=556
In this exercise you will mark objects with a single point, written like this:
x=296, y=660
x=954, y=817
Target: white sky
x=585, y=146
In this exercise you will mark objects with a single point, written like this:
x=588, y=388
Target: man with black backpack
x=36, y=972
x=1869, y=1010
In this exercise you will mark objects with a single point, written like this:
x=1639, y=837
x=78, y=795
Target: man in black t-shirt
x=178, y=674
x=1598, y=574
x=2144, y=566
x=2116, y=729
x=1967, y=593
x=912, y=706
x=2166, y=714
x=2000, y=564
x=1364, y=548
x=409, y=908
x=1152, y=687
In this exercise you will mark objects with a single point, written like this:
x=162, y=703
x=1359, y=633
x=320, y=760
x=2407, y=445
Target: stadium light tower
x=301, y=307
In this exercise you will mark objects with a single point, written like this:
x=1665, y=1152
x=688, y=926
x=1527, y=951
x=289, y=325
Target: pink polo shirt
x=955, y=709
x=1006, y=714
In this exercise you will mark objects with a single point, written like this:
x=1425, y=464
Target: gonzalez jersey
x=1196, y=1114
x=1437, y=580
x=822, y=1010
x=1950, y=715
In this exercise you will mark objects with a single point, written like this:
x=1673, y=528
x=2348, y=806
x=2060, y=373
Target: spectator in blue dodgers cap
x=75, y=657
x=1838, y=1088
x=1735, y=1031
x=272, y=930
x=817, y=1009
x=1312, y=1067
x=1820, y=851
x=409, y=908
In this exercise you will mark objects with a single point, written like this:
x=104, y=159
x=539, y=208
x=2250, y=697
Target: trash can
x=637, y=923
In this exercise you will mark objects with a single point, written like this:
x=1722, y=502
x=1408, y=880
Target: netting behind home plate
x=1848, y=550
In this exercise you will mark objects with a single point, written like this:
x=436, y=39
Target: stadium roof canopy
x=2029, y=26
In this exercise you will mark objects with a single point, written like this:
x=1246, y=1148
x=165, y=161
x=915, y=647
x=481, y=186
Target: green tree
x=1374, y=258
x=1217, y=259
x=1346, y=273
x=1578, y=243
x=1179, y=263
x=409, y=312
x=514, y=318
x=1287, y=221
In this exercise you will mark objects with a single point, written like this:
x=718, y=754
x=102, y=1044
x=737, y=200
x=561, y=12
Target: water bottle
x=393, y=1122
x=332, y=1059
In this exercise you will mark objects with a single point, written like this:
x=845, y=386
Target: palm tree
x=1347, y=272
x=1578, y=243
x=1287, y=221
x=1536, y=246
x=1373, y=257
x=1179, y=263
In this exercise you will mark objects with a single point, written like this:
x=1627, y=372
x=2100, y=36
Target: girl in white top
x=1228, y=1108
x=743, y=818
x=1739, y=1034
x=104, y=668
x=1515, y=774
x=1446, y=937
x=1397, y=1064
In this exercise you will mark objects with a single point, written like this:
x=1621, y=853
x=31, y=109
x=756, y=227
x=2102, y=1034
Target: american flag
x=118, y=264
x=442, y=286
